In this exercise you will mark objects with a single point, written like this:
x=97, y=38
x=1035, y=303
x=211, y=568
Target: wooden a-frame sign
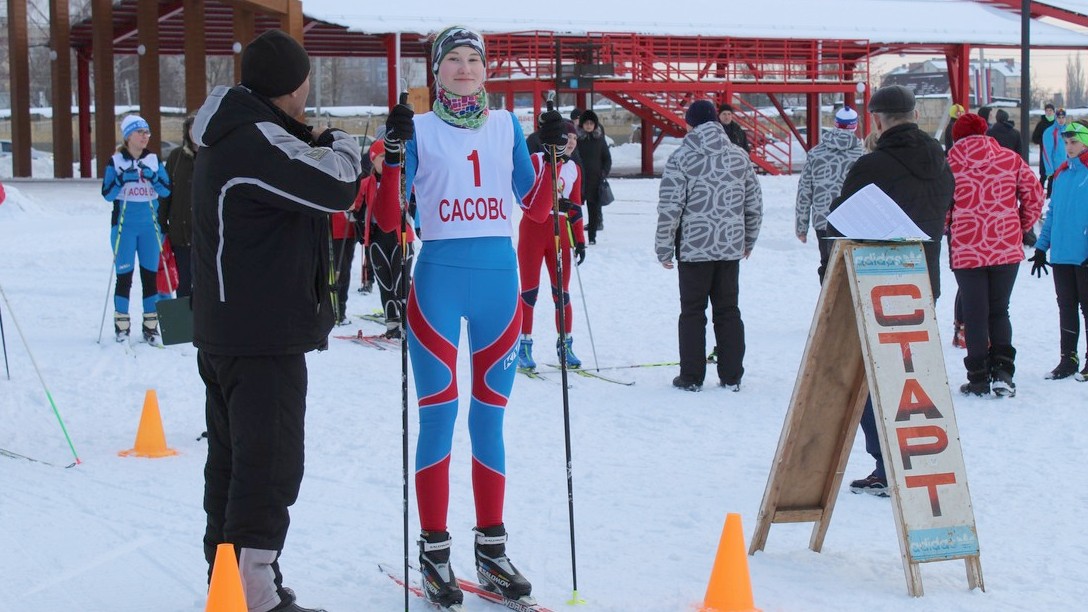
x=875, y=330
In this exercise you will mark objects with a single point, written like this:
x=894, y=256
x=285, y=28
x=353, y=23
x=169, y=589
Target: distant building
x=998, y=79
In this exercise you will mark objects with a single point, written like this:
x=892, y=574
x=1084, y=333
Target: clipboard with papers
x=870, y=214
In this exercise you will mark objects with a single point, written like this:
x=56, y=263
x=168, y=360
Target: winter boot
x=525, y=354
x=978, y=376
x=687, y=384
x=959, y=340
x=572, y=359
x=392, y=331
x=121, y=325
x=1002, y=367
x=494, y=569
x=1066, y=367
x=151, y=329
x=871, y=484
x=439, y=583
x=1082, y=376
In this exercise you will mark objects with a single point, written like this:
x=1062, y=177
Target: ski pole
x=4, y=341
x=585, y=306
x=113, y=265
x=402, y=297
x=34, y=362
x=554, y=155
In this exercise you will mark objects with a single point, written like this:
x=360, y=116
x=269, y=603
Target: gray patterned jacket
x=710, y=195
x=821, y=180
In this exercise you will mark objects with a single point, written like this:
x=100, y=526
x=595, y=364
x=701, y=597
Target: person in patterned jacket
x=821, y=180
x=997, y=198
x=709, y=213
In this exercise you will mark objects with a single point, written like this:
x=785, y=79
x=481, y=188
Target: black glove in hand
x=1039, y=264
x=552, y=130
x=580, y=253
x=327, y=137
x=574, y=213
x=400, y=126
x=1030, y=238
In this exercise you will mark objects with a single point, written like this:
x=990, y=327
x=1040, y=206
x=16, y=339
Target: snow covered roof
x=879, y=21
x=1075, y=6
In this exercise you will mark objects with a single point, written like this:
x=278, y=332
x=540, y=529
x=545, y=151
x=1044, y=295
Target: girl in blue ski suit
x=468, y=166
x=134, y=181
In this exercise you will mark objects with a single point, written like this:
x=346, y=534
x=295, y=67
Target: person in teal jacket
x=1052, y=149
x=1065, y=235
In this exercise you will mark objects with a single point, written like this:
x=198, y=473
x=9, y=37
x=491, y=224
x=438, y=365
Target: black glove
x=399, y=127
x=552, y=130
x=574, y=212
x=1030, y=238
x=1039, y=264
x=146, y=173
x=327, y=137
x=131, y=175
x=579, y=253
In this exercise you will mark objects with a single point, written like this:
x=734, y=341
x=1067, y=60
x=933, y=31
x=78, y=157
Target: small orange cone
x=225, y=592
x=150, y=439
x=730, y=588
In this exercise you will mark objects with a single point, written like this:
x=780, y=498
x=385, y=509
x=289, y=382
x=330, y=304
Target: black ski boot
x=978, y=376
x=495, y=570
x=1002, y=367
x=121, y=326
x=151, y=329
x=1082, y=376
x=439, y=583
x=1066, y=367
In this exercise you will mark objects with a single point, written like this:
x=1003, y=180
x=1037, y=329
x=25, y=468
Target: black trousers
x=717, y=281
x=825, y=246
x=183, y=257
x=984, y=295
x=1071, y=286
x=255, y=410
x=596, y=218
x=386, y=262
x=343, y=250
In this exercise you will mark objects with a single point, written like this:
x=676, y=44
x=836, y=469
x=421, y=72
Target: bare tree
x=1074, y=82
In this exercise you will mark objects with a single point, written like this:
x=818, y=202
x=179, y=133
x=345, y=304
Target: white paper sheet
x=870, y=214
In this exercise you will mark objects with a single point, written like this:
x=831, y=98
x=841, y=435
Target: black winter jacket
x=175, y=210
x=262, y=195
x=737, y=135
x=596, y=162
x=1006, y=135
x=910, y=166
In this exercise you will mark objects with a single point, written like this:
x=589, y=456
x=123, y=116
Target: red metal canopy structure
x=653, y=76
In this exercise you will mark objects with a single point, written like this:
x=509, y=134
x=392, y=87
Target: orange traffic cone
x=150, y=439
x=730, y=588
x=225, y=592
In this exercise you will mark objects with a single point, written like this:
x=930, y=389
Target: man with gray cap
x=910, y=166
x=264, y=186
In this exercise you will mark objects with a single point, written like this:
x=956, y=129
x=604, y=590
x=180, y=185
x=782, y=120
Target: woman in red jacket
x=998, y=198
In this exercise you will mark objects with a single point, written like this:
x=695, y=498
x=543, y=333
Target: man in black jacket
x=1045, y=122
x=596, y=162
x=908, y=165
x=263, y=189
x=1005, y=133
x=733, y=130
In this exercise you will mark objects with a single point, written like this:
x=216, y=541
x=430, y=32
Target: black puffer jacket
x=262, y=195
x=737, y=135
x=1006, y=135
x=596, y=162
x=908, y=165
x=175, y=210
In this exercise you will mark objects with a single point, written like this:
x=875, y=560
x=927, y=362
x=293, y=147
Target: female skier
x=134, y=181
x=467, y=165
x=536, y=242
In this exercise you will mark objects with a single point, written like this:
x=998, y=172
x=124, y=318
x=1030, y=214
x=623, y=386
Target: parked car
x=166, y=146
x=6, y=149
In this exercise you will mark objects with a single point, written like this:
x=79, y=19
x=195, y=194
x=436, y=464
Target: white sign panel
x=913, y=404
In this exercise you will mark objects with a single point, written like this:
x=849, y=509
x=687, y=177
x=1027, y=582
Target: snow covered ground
x=655, y=470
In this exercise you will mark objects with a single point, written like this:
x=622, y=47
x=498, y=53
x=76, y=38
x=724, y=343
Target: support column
x=105, y=124
x=19, y=76
x=392, y=69
x=292, y=21
x=812, y=120
x=147, y=32
x=83, y=97
x=958, y=60
x=196, y=69
x=646, y=137
x=243, y=33
x=61, y=72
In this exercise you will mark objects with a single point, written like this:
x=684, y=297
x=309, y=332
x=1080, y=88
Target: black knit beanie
x=274, y=64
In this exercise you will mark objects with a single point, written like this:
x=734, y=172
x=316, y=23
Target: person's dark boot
x=978, y=376
x=1002, y=367
x=493, y=567
x=1066, y=367
x=439, y=583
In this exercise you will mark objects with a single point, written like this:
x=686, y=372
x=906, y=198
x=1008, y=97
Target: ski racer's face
x=462, y=71
x=137, y=141
x=572, y=143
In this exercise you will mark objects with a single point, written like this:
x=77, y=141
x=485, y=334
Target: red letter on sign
x=930, y=482
x=903, y=339
x=913, y=400
x=893, y=320
x=905, y=434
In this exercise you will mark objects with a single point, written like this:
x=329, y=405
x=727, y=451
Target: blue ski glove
x=146, y=173
x=131, y=175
